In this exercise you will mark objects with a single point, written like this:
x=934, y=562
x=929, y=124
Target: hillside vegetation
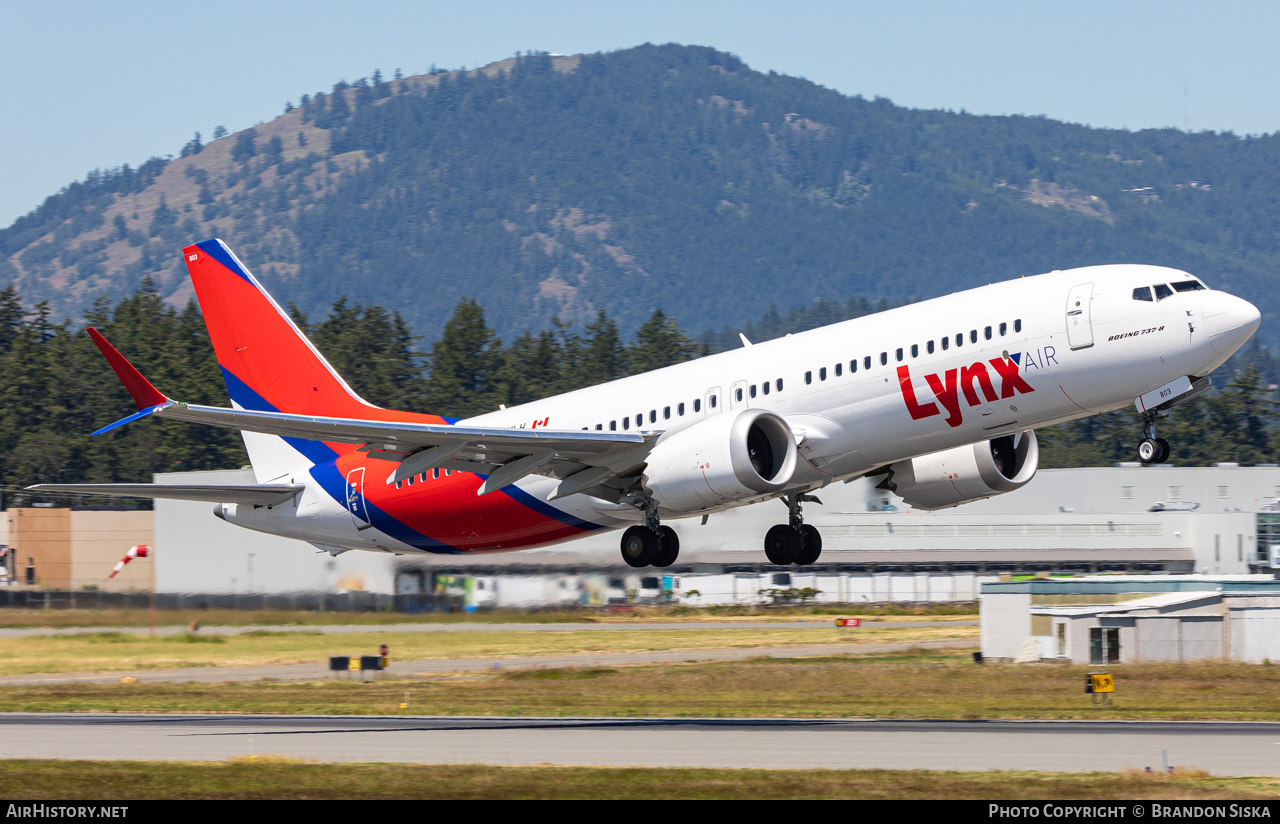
x=656, y=177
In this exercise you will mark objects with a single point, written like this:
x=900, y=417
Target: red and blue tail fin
x=269, y=365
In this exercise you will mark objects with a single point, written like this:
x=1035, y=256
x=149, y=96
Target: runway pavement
x=1217, y=747
x=437, y=666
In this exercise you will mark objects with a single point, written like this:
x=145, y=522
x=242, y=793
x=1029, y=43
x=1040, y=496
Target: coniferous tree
x=245, y=146
x=465, y=365
x=660, y=342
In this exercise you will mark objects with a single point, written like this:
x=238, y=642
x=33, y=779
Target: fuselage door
x=738, y=395
x=712, y=401
x=1079, y=321
x=355, y=498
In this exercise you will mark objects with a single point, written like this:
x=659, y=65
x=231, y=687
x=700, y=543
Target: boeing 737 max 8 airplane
x=939, y=399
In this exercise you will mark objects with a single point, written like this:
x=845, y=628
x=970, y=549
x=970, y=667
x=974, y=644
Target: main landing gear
x=794, y=542
x=650, y=544
x=1152, y=450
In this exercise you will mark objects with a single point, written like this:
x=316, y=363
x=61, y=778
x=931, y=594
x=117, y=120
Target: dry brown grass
x=282, y=779
x=127, y=652
x=921, y=684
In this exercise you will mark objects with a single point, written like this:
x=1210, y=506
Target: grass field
x=126, y=652
x=278, y=778
x=57, y=618
x=944, y=684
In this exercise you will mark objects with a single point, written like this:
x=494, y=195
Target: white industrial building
x=1213, y=521
x=1132, y=619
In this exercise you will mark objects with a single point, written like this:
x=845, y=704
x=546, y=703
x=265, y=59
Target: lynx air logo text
x=966, y=381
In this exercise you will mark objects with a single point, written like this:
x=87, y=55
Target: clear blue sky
x=92, y=84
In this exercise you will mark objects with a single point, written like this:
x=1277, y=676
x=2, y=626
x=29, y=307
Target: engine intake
x=966, y=473
x=721, y=459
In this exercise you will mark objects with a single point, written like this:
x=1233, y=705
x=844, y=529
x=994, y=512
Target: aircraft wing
x=506, y=455
x=604, y=462
x=260, y=494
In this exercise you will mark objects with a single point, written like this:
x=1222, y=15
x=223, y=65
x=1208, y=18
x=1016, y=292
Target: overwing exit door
x=355, y=498
x=1079, y=320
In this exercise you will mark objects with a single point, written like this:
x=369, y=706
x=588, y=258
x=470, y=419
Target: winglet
x=144, y=394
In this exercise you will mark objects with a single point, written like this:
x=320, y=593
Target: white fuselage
x=1060, y=346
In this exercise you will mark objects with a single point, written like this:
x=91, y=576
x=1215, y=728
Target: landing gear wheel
x=1149, y=451
x=668, y=548
x=812, y=545
x=1164, y=450
x=782, y=545
x=639, y=546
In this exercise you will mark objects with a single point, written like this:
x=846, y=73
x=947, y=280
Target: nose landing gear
x=794, y=542
x=1152, y=450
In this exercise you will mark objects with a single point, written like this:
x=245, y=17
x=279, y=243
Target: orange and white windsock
x=139, y=551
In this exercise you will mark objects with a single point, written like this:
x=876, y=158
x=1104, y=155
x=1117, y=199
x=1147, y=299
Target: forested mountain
x=666, y=177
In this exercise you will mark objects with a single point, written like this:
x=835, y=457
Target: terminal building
x=1215, y=521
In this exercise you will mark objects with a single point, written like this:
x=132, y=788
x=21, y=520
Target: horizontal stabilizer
x=259, y=494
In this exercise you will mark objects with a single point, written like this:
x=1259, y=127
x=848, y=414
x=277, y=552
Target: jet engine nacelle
x=966, y=473
x=722, y=459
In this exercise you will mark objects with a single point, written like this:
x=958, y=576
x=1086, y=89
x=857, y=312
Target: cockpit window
x=1142, y=293
x=1188, y=286
x=1162, y=291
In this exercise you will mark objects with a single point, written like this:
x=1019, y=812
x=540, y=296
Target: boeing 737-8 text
x=939, y=399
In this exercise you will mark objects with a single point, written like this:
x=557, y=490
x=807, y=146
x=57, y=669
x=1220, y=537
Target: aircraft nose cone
x=1229, y=321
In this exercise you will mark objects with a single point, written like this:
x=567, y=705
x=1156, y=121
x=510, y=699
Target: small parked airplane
x=939, y=399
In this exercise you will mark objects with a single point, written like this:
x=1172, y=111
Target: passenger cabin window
x=765, y=385
x=928, y=347
x=960, y=339
x=946, y=344
x=653, y=416
x=737, y=394
x=666, y=410
x=822, y=374
x=884, y=358
x=613, y=426
x=899, y=354
x=399, y=484
x=752, y=390
x=599, y=426
x=986, y=333
x=423, y=477
x=866, y=362
x=778, y=384
x=712, y=402
x=1142, y=293
x=639, y=419
x=839, y=369
x=1163, y=291
x=697, y=404
x=448, y=472
x=680, y=409
x=973, y=336
x=915, y=350
x=435, y=474
x=1017, y=325
x=1004, y=327
x=412, y=478
x=808, y=378
x=853, y=366
x=1187, y=286
x=626, y=423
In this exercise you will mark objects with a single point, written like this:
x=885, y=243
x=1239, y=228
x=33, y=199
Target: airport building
x=1216, y=521
x=1132, y=619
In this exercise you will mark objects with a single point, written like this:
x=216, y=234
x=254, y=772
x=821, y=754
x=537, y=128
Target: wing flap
x=260, y=494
